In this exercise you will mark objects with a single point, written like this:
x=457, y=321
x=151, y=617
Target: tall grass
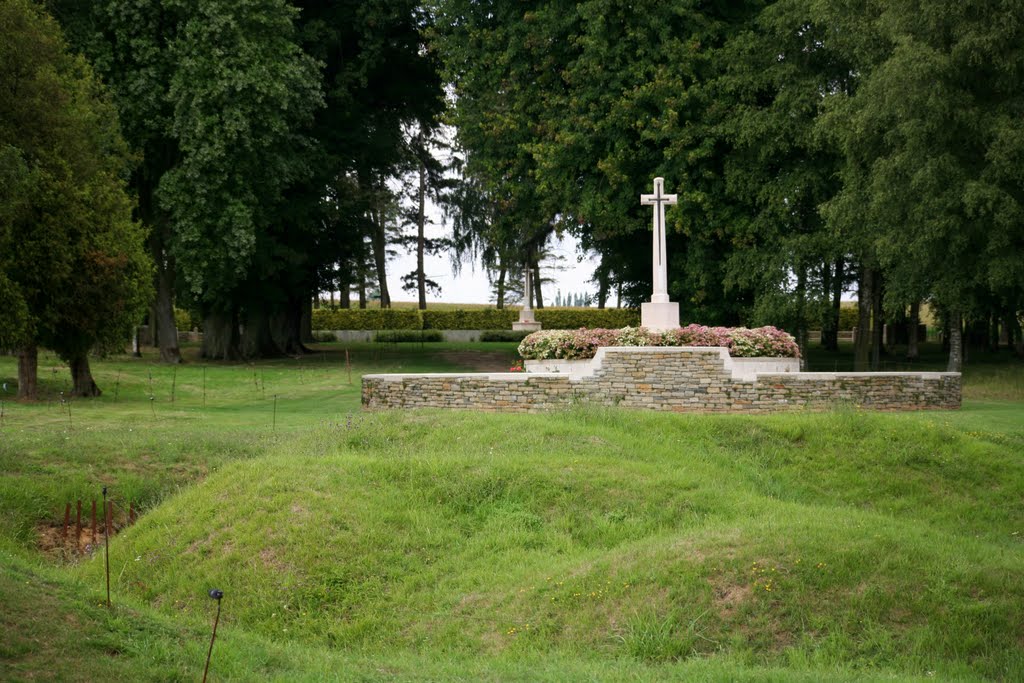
x=586, y=544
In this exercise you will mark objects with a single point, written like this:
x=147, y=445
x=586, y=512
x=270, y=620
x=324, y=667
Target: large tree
x=933, y=141
x=72, y=266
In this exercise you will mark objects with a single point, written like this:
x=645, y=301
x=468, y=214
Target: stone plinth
x=660, y=315
x=680, y=379
x=526, y=322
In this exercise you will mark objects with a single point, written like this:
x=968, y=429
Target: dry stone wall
x=682, y=379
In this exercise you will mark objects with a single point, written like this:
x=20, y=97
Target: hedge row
x=477, y=319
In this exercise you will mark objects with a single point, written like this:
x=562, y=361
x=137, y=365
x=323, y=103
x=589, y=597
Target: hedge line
x=478, y=319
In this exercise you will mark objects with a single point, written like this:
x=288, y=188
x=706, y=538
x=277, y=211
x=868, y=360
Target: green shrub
x=848, y=317
x=469, y=319
x=503, y=335
x=575, y=318
x=395, y=336
x=472, y=319
x=366, y=319
x=183, y=320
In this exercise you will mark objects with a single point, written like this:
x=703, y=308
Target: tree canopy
x=73, y=272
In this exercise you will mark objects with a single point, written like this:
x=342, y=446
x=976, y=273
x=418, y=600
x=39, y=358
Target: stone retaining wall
x=684, y=379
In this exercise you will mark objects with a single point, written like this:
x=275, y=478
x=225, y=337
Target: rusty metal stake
x=106, y=541
x=217, y=595
x=78, y=527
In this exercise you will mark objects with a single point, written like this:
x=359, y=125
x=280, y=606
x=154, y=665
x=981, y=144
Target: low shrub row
x=583, y=343
x=503, y=335
x=468, y=319
x=395, y=336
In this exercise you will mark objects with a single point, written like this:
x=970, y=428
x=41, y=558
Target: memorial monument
x=659, y=313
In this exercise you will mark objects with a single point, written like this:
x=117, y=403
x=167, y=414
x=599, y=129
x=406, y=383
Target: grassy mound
x=814, y=542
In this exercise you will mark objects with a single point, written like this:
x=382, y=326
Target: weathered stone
x=685, y=379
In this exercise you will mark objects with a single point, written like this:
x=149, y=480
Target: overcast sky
x=470, y=286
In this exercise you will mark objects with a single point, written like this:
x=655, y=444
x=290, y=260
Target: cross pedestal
x=659, y=313
x=526, y=321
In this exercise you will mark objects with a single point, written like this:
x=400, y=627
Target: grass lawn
x=590, y=544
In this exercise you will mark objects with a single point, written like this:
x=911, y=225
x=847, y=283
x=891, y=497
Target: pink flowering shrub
x=583, y=343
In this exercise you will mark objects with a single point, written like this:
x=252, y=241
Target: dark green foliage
x=474, y=319
x=367, y=319
x=574, y=318
x=73, y=272
x=395, y=336
x=503, y=335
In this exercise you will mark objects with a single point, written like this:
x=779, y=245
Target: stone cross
x=659, y=200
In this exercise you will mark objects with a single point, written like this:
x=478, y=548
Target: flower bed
x=761, y=342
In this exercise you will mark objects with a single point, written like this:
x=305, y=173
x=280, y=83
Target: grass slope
x=590, y=544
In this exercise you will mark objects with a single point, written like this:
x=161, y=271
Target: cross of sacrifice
x=659, y=200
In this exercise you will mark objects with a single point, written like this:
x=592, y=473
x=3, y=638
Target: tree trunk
x=877, y=322
x=993, y=335
x=380, y=258
x=956, y=342
x=362, y=292
x=306, y=323
x=344, y=280
x=912, y=324
x=28, y=365
x=1015, y=334
x=539, y=301
x=83, y=384
x=257, y=340
x=862, y=343
x=502, y=272
x=166, y=335
x=801, y=323
x=220, y=336
x=286, y=326
x=837, y=305
x=421, y=220
x=826, y=319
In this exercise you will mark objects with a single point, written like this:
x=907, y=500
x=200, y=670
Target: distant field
x=591, y=544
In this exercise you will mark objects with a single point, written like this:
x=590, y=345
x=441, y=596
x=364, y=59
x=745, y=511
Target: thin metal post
x=106, y=541
x=216, y=594
x=78, y=527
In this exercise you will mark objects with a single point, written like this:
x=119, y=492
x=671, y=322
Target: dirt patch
x=54, y=542
x=729, y=598
x=479, y=361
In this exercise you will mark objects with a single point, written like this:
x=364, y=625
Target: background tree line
x=817, y=147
